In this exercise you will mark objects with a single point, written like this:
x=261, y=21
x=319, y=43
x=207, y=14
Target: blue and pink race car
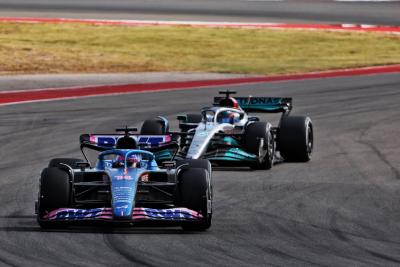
x=125, y=187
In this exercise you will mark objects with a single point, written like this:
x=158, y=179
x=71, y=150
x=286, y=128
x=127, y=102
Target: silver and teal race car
x=226, y=135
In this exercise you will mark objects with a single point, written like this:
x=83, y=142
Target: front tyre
x=54, y=193
x=195, y=194
x=153, y=127
x=296, y=138
x=259, y=140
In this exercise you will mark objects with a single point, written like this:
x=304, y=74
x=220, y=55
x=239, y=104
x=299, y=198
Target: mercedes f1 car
x=126, y=186
x=226, y=135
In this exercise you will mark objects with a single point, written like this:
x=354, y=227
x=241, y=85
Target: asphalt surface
x=317, y=11
x=340, y=209
x=41, y=81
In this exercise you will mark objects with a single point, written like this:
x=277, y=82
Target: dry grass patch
x=66, y=48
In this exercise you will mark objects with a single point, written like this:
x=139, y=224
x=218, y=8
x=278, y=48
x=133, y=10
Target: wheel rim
x=270, y=147
x=310, y=140
x=269, y=156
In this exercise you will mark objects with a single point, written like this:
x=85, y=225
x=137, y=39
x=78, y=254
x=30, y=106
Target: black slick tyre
x=153, y=127
x=54, y=193
x=265, y=149
x=296, y=138
x=195, y=194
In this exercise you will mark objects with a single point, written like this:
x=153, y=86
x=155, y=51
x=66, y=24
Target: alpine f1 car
x=126, y=186
x=226, y=135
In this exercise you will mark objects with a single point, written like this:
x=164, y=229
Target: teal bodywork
x=164, y=155
x=232, y=154
x=266, y=104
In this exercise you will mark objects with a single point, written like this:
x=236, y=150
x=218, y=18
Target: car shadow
x=231, y=169
x=99, y=230
x=27, y=223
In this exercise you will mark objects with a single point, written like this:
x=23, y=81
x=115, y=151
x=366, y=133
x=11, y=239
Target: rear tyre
x=265, y=149
x=296, y=138
x=195, y=194
x=68, y=161
x=54, y=193
x=153, y=127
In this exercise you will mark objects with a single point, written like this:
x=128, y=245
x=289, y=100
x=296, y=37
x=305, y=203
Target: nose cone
x=123, y=210
x=123, y=189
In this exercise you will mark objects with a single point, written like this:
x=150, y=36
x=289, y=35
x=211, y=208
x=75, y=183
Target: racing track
x=341, y=209
x=305, y=11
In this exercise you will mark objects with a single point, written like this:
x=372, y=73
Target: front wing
x=138, y=214
x=232, y=156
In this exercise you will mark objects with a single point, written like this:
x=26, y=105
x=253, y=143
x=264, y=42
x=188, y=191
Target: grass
x=72, y=48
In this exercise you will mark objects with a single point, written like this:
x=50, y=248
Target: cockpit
x=223, y=115
x=228, y=116
x=121, y=159
x=132, y=161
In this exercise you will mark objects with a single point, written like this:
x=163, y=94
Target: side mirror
x=209, y=118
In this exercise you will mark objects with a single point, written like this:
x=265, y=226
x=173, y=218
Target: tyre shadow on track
x=99, y=230
x=18, y=217
x=231, y=169
x=244, y=168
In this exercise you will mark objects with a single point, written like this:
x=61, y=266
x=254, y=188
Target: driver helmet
x=133, y=161
x=228, y=117
x=229, y=102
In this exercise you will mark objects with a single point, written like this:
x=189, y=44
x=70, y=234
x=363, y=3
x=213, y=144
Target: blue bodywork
x=124, y=178
x=124, y=167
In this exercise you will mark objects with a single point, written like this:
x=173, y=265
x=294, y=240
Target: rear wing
x=109, y=141
x=161, y=145
x=262, y=104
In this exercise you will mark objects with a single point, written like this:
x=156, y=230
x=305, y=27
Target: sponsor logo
x=203, y=134
x=111, y=141
x=123, y=177
x=151, y=141
x=168, y=214
x=138, y=213
x=78, y=214
x=122, y=207
x=260, y=101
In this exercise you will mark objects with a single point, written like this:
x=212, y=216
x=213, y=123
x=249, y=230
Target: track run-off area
x=340, y=209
